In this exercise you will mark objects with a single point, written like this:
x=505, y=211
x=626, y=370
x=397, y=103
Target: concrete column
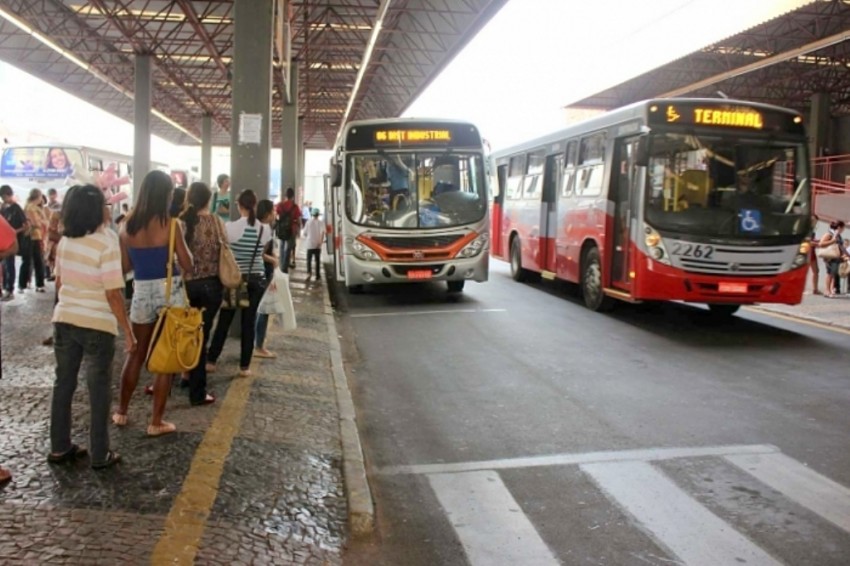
x=206, y=149
x=819, y=124
x=289, y=132
x=301, y=151
x=252, y=81
x=141, y=122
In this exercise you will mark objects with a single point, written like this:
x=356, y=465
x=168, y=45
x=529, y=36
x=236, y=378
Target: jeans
x=287, y=255
x=314, y=253
x=33, y=261
x=256, y=287
x=70, y=345
x=203, y=293
x=9, y=273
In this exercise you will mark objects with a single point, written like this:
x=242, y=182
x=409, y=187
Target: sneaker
x=47, y=341
x=7, y=296
x=39, y=290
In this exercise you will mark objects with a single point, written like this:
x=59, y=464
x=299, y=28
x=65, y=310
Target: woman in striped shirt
x=247, y=237
x=89, y=284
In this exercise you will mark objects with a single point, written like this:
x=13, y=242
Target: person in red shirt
x=287, y=227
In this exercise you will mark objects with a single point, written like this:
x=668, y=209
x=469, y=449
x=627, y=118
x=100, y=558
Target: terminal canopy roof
x=87, y=49
x=783, y=61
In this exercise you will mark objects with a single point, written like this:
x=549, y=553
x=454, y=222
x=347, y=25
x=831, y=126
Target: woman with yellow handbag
x=145, y=250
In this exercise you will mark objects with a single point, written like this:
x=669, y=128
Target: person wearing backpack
x=287, y=227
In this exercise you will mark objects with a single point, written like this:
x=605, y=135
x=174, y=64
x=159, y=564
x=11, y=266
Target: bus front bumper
x=360, y=272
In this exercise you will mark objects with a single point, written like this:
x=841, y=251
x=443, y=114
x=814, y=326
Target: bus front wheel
x=517, y=272
x=591, y=283
x=455, y=286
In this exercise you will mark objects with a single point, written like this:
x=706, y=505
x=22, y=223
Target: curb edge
x=361, y=507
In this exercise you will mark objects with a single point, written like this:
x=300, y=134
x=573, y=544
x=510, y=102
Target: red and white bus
x=697, y=200
x=406, y=201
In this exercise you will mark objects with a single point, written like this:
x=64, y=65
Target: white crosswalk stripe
x=490, y=524
x=494, y=529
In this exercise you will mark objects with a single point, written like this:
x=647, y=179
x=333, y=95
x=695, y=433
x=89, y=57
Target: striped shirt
x=243, y=242
x=88, y=267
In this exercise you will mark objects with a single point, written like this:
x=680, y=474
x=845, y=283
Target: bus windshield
x=416, y=190
x=727, y=187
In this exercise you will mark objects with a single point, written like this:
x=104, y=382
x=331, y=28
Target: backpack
x=284, y=223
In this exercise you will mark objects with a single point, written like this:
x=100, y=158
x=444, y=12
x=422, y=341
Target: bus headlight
x=474, y=247
x=362, y=251
x=654, y=245
x=802, y=257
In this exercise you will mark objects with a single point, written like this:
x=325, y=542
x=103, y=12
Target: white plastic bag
x=277, y=300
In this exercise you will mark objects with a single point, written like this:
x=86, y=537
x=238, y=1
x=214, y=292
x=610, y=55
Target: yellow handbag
x=178, y=333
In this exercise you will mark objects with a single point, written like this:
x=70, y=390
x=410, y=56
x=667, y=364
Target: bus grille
x=737, y=261
x=417, y=242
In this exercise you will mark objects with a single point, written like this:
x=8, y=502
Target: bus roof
x=624, y=114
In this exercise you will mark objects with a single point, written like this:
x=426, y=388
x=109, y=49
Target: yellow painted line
x=185, y=524
x=791, y=318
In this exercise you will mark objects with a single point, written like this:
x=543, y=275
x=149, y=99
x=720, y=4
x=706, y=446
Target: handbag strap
x=169, y=266
x=256, y=248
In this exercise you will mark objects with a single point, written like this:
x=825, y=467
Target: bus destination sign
x=412, y=136
x=707, y=115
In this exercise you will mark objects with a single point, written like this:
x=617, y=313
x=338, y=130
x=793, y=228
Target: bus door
x=497, y=213
x=552, y=176
x=624, y=186
x=331, y=223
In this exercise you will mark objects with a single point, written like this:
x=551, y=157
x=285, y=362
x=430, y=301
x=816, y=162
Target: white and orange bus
x=696, y=200
x=406, y=200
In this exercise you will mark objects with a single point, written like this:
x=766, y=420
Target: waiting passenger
x=89, y=282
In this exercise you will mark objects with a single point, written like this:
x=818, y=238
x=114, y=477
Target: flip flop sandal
x=160, y=429
x=119, y=420
x=74, y=453
x=112, y=458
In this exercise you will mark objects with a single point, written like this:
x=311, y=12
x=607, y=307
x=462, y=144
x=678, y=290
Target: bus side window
x=95, y=164
x=514, y=188
x=531, y=184
x=567, y=186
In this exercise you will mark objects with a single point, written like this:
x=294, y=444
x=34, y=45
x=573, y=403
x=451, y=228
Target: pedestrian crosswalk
x=494, y=529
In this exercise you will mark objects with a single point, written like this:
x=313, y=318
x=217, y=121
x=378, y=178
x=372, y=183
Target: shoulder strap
x=256, y=248
x=169, y=262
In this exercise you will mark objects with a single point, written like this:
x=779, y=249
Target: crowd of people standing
x=836, y=268
x=90, y=256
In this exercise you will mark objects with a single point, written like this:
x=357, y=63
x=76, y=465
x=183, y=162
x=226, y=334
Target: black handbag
x=238, y=298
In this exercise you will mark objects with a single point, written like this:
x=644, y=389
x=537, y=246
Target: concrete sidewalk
x=816, y=308
x=271, y=473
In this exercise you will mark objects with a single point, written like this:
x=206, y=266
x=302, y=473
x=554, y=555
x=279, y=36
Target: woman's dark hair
x=178, y=198
x=264, y=208
x=34, y=194
x=82, y=211
x=836, y=224
x=154, y=199
x=198, y=198
x=248, y=200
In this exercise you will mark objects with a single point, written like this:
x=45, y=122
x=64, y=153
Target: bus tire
x=591, y=283
x=517, y=272
x=455, y=286
x=721, y=311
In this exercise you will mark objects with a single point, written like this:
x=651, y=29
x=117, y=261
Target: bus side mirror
x=336, y=174
x=642, y=151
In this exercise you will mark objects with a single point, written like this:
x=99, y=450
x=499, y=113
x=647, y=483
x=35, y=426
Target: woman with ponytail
x=247, y=237
x=204, y=233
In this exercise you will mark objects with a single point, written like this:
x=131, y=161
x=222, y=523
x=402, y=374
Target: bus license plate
x=727, y=287
x=419, y=274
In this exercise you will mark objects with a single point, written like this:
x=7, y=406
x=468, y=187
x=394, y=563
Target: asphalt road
x=510, y=425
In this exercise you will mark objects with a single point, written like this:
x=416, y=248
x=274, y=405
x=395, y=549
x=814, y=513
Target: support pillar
x=301, y=155
x=252, y=81
x=141, y=121
x=206, y=150
x=819, y=124
x=289, y=132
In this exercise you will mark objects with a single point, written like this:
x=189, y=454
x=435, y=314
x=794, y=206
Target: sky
x=512, y=80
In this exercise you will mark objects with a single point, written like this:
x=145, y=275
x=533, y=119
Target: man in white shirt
x=314, y=235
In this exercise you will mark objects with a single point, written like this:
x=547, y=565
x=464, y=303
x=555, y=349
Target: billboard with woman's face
x=41, y=162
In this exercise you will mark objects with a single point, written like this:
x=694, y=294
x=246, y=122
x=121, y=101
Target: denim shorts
x=149, y=297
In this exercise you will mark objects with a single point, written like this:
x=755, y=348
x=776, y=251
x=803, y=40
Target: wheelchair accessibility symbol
x=750, y=220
